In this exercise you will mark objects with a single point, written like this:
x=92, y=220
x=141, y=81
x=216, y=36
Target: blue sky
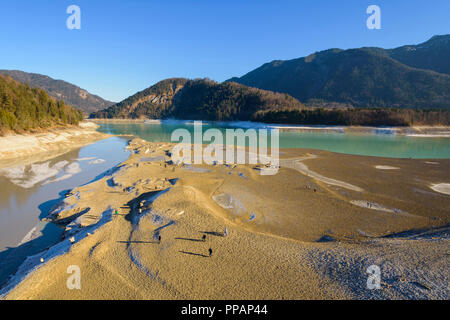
x=126, y=46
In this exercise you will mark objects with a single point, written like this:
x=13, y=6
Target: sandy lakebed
x=309, y=232
x=19, y=148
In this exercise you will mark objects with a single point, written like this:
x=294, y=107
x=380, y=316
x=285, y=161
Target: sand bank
x=41, y=146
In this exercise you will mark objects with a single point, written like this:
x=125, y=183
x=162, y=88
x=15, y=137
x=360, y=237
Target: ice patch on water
x=31, y=235
x=61, y=164
x=85, y=159
x=73, y=168
x=13, y=173
x=37, y=173
x=69, y=171
x=63, y=177
x=97, y=161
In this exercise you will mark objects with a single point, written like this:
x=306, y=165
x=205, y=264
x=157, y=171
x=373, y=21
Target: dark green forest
x=355, y=117
x=25, y=109
x=209, y=100
x=201, y=99
x=59, y=89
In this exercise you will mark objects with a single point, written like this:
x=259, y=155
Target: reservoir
x=30, y=191
x=379, y=142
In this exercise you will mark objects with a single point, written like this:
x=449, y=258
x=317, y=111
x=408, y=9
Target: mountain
x=60, y=89
x=365, y=77
x=23, y=108
x=201, y=99
x=433, y=54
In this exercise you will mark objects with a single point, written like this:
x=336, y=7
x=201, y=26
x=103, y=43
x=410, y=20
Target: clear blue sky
x=125, y=46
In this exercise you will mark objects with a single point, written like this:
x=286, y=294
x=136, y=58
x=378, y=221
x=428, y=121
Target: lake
x=380, y=142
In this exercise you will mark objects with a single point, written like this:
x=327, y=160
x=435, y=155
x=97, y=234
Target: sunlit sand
x=285, y=232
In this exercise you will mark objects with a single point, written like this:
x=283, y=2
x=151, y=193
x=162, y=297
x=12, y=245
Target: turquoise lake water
x=379, y=142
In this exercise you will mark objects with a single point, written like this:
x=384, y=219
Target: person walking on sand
x=210, y=252
x=159, y=239
x=204, y=238
x=225, y=233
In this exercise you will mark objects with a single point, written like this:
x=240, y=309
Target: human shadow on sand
x=213, y=233
x=194, y=254
x=138, y=241
x=188, y=239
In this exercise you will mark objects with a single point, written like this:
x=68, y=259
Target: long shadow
x=129, y=242
x=12, y=258
x=46, y=206
x=71, y=218
x=194, y=254
x=108, y=172
x=157, y=230
x=213, y=233
x=134, y=205
x=188, y=239
x=427, y=233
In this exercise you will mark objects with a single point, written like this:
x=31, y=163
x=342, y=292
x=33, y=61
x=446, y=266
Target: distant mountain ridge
x=407, y=77
x=365, y=86
x=62, y=90
x=433, y=54
x=201, y=99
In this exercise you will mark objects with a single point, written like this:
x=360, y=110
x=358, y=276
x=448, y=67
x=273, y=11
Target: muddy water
x=28, y=192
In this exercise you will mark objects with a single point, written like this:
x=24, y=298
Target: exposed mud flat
x=298, y=234
x=41, y=146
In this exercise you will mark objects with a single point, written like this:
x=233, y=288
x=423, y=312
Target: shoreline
x=413, y=131
x=27, y=148
x=182, y=203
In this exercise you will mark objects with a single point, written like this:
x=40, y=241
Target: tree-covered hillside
x=201, y=99
x=61, y=90
x=365, y=77
x=23, y=108
x=433, y=54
